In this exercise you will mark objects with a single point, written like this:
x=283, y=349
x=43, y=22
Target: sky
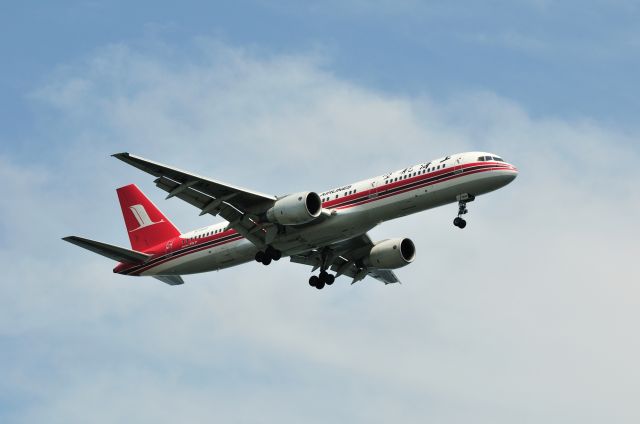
x=528, y=315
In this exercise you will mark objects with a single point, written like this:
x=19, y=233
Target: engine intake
x=296, y=209
x=391, y=254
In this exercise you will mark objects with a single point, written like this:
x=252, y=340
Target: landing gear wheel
x=331, y=278
x=462, y=223
x=266, y=260
x=324, y=275
x=276, y=255
x=260, y=256
x=320, y=285
x=313, y=281
x=456, y=221
x=273, y=253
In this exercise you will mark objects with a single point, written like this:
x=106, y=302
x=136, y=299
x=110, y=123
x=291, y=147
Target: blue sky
x=568, y=58
x=529, y=315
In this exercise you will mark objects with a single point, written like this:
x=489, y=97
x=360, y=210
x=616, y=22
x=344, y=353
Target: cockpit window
x=498, y=159
x=481, y=159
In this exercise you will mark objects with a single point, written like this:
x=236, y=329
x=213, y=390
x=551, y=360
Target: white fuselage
x=348, y=211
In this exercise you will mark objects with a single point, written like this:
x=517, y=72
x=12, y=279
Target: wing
x=345, y=258
x=239, y=206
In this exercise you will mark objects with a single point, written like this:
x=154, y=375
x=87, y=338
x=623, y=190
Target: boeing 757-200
x=327, y=231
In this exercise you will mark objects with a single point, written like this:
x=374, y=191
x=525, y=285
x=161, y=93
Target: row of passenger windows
x=421, y=172
x=490, y=158
x=346, y=193
x=391, y=180
x=203, y=235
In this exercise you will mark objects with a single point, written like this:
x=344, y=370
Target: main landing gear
x=269, y=254
x=319, y=281
x=324, y=278
x=463, y=199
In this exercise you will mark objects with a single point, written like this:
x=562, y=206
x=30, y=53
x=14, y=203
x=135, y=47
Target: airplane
x=326, y=230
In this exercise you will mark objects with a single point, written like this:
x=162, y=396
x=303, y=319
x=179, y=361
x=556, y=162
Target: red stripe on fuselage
x=364, y=195
x=169, y=258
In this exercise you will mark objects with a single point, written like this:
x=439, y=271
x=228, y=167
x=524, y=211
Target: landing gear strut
x=269, y=254
x=324, y=278
x=463, y=199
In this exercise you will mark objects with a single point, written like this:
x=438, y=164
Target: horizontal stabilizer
x=172, y=280
x=116, y=253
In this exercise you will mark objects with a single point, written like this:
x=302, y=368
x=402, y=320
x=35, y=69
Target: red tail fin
x=146, y=225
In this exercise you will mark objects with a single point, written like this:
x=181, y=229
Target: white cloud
x=527, y=315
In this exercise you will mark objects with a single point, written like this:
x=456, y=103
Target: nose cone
x=510, y=174
x=499, y=178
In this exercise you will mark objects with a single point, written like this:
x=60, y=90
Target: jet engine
x=391, y=254
x=295, y=209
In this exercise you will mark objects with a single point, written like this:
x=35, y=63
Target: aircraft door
x=373, y=191
x=457, y=164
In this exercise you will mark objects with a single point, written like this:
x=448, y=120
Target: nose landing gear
x=463, y=199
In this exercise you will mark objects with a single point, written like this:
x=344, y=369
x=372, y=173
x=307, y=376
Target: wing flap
x=110, y=251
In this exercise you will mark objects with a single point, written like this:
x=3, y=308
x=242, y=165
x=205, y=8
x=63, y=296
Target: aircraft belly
x=339, y=227
x=206, y=260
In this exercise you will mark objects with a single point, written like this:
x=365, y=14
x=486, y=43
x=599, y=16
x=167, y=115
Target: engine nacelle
x=296, y=209
x=391, y=254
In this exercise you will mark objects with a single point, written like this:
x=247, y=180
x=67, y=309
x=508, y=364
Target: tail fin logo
x=141, y=215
